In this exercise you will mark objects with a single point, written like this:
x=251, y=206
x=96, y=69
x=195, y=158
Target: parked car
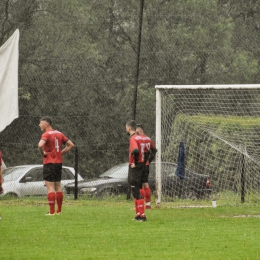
x=27, y=180
x=192, y=186
x=111, y=182
x=114, y=182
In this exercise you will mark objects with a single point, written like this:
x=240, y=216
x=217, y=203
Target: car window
x=118, y=171
x=168, y=170
x=36, y=174
x=67, y=174
x=12, y=174
x=152, y=170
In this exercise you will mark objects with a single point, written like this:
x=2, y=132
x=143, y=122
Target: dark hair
x=47, y=119
x=131, y=124
x=139, y=126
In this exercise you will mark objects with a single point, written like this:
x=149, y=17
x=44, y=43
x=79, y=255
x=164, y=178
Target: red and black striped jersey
x=142, y=143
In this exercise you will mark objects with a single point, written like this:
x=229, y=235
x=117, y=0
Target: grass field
x=105, y=230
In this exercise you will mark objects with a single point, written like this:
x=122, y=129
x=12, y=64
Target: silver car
x=27, y=180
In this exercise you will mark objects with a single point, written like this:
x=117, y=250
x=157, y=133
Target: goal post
x=220, y=128
x=158, y=145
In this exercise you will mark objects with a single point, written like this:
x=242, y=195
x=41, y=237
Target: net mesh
x=220, y=131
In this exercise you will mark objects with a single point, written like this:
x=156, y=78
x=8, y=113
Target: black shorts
x=52, y=172
x=145, y=174
x=136, y=175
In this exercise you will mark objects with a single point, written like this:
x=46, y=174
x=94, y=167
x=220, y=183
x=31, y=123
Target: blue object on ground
x=180, y=170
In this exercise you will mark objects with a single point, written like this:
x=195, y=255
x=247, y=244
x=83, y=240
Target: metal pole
x=243, y=179
x=158, y=165
x=76, y=173
x=138, y=57
x=136, y=77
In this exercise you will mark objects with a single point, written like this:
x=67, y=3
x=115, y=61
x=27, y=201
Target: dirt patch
x=246, y=216
x=192, y=206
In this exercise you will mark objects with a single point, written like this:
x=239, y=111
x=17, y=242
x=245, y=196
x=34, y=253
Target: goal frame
x=158, y=158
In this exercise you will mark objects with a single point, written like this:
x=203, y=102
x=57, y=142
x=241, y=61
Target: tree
x=77, y=64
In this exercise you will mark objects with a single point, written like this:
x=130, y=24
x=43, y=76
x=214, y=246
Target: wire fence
x=78, y=65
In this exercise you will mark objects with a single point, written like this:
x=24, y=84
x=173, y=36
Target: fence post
x=76, y=173
x=139, y=39
x=243, y=179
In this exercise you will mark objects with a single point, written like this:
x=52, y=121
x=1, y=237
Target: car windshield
x=119, y=171
x=168, y=170
x=12, y=174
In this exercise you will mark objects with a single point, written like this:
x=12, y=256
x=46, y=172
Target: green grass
x=105, y=230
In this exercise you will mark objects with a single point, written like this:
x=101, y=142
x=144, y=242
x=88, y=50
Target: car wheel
x=11, y=195
x=107, y=193
x=191, y=195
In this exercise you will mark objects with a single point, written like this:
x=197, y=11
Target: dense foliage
x=77, y=64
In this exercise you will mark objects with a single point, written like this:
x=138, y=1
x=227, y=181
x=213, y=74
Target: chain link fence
x=78, y=65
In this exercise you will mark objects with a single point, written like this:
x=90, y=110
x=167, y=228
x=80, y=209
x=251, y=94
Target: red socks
x=51, y=201
x=147, y=192
x=59, y=198
x=142, y=192
x=140, y=206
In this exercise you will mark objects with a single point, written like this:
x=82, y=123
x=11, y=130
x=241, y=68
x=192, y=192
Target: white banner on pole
x=9, y=55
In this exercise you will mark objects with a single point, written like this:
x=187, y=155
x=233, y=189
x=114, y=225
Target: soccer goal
x=208, y=141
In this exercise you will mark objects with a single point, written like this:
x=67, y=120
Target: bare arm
x=69, y=145
x=40, y=147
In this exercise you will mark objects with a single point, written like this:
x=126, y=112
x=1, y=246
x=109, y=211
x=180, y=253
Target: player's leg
x=147, y=195
x=142, y=192
x=133, y=186
x=59, y=196
x=50, y=196
x=57, y=186
x=136, y=185
x=146, y=187
x=49, y=180
x=58, y=189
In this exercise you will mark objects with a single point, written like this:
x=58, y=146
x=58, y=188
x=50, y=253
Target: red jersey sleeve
x=133, y=144
x=152, y=144
x=44, y=136
x=65, y=139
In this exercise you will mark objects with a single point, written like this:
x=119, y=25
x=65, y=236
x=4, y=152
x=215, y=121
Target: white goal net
x=208, y=141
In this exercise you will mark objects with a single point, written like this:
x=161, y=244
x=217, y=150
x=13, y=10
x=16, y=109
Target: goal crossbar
x=234, y=86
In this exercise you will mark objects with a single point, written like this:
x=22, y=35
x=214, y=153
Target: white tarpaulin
x=9, y=54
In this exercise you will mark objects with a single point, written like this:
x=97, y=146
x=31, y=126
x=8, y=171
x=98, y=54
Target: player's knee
x=146, y=185
x=136, y=192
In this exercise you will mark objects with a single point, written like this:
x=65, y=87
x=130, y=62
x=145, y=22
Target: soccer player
x=50, y=147
x=1, y=176
x=136, y=165
x=149, y=156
